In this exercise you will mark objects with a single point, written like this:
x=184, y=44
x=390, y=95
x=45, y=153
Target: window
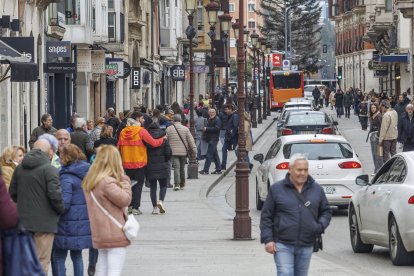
x=111, y=4
x=290, y=81
x=319, y=151
x=251, y=7
x=388, y=5
x=165, y=13
x=232, y=42
x=274, y=149
x=111, y=26
x=232, y=7
x=251, y=25
x=200, y=15
x=72, y=12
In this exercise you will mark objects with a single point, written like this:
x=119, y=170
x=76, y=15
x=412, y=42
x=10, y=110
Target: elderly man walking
x=406, y=129
x=45, y=127
x=295, y=212
x=80, y=137
x=35, y=187
x=182, y=144
x=389, y=130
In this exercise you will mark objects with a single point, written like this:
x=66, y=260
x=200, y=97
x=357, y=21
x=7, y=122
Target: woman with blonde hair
x=111, y=188
x=12, y=156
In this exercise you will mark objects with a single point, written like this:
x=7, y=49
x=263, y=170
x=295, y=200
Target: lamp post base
x=242, y=227
x=192, y=170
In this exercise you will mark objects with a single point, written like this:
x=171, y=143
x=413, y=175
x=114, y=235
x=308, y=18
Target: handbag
x=131, y=226
x=318, y=243
x=19, y=253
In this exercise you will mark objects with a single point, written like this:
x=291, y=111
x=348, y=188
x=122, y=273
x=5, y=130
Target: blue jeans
x=224, y=151
x=212, y=155
x=59, y=258
x=292, y=260
x=93, y=257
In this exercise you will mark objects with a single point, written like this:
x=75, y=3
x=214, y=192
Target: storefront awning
x=394, y=58
x=22, y=69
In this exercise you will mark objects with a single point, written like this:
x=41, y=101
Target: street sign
x=295, y=68
x=178, y=72
x=286, y=65
x=277, y=60
x=136, y=78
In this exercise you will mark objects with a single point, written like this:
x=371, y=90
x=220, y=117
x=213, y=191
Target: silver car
x=381, y=213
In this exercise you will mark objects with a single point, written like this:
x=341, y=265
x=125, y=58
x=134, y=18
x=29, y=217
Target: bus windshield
x=293, y=80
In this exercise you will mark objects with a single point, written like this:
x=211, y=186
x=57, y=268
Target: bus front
x=285, y=85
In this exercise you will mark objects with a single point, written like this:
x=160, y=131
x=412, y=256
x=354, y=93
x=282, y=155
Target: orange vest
x=133, y=151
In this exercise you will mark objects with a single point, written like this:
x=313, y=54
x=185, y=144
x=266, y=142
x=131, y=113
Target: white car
x=308, y=89
x=381, y=213
x=332, y=163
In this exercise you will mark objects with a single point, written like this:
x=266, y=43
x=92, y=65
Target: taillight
x=287, y=131
x=350, y=165
x=327, y=130
x=411, y=200
x=283, y=166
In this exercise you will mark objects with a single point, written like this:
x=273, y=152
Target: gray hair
x=295, y=157
x=132, y=122
x=409, y=105
x=53, y=142
x=177, y=118
x=79, y=123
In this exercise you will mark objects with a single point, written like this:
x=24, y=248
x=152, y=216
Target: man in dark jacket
x=231, y=134
x=80, y=137
x=401, y=105
x=211, y=136
x=223, y=115
x=45, y=127
x=316, y=95
x=406, y=129
x=36, y=188
x=295, y=212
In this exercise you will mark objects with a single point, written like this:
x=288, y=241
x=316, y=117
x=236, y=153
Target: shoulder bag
x=182, y=140
x=318, y=244
x=131, y=227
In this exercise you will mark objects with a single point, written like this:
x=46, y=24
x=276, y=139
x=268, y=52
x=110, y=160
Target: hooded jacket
x=158, y=157
x=36, y=188
x=74, y=232
x=132, y=148
x=285, y=219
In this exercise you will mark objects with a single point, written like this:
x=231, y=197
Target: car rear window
x=287, y=112
x=307, y=119
x=319, y=151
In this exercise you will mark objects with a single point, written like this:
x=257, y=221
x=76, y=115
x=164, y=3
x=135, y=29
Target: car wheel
x=259, y=202
x=398, y=254
x=357, y=245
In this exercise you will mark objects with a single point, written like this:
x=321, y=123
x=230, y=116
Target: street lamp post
x=242, y=223
x=259, y=96
x=269, y=103
x=246, y=34
x=225, y=20
x=263, y=44
x=212, y=9
x=192, y=169
x=288, y=24
x=254, y=37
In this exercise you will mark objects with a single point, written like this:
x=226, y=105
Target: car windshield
x=307, y=119
x=319, y=151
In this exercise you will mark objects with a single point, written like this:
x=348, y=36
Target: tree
x=233, y=68
x=305, y=30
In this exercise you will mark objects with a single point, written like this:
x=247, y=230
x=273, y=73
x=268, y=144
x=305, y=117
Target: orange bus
x=285, y=85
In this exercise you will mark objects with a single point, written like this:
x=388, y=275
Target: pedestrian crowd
x=60, y=188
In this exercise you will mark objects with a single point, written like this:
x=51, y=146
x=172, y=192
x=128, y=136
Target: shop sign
x=98, y=62
x=127, y=70
x=59, y=68
x=84, y=60
x=114, y=67
x=23, y=45
x=135, y=78
x=56, y=49
x=178, y=72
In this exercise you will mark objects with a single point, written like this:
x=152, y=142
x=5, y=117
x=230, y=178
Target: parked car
x=285, y=112
x=309, y=122
x=332, y=163
x=297, y=102
x=381, y=212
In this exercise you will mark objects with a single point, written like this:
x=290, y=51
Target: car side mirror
x=362, y=180
x=335, y=123
x=259, y=157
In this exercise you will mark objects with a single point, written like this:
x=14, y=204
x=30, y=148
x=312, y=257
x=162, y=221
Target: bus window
x=293, y=80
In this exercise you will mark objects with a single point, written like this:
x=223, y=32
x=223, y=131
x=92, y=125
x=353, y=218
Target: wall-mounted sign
x=23, y=45
x=178, y=72
x=114, y=67
x=98, y=61
x=127, y=70
x=135, y=78
x=277, y=60
x=84, y=60
x=58, y=49
x=59, y=68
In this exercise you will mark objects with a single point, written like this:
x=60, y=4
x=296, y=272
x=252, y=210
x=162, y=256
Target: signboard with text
x=277, y=60
x=178, y=72
x=57, y=49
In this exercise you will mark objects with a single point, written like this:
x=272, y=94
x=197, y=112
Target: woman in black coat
x=339, y=103
x=158, y=167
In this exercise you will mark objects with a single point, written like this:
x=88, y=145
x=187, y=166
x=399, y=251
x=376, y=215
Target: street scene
x=204, y=137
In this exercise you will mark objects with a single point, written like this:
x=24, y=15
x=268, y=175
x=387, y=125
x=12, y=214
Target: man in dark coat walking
x=316, y=95
x=35, y=187
x=45, y=127
x=406, y=129
x=80, y=137
x=211, y=136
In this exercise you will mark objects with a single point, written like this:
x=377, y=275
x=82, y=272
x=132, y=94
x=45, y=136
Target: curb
x=205, y=191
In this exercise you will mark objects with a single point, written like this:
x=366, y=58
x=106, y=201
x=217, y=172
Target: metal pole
x=259, y=97
x=226, y=49
x=264, y=87
x=245, y=70
x=192, y=169
x=269, y=103
x=286, y=31
x=242, y=223
x=213, y=69
x=254, y=107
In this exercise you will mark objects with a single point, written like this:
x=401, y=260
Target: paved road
x=337, y=258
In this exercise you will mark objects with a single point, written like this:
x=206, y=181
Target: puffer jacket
x=285, y=219
x=158, y=157
x=177, y=146
x=115, y=197
x=35, y=186
x=74, y=232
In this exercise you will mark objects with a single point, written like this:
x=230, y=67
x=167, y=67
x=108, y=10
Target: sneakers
x=216, y=172
x=155, y=211
x=203, y=172
x=136, y=212
x=169, y=185
x=160, y=206
x=182, y=186
x=176, y=187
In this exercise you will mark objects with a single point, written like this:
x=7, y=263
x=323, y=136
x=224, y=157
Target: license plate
x=306, y=132
x=329, y=190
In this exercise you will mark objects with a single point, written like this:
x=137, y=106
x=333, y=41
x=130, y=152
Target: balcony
x=406, y=7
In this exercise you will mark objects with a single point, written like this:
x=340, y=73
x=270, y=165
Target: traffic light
x=339, y=76
x=267, y=75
